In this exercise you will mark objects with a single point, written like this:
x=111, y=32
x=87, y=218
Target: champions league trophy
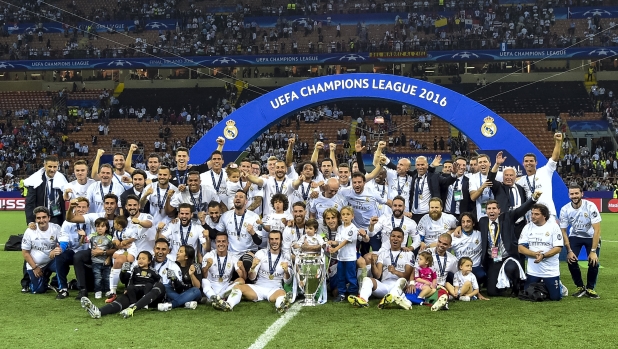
x=311, y=276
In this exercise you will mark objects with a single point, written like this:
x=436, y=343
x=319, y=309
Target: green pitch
x=28, y=321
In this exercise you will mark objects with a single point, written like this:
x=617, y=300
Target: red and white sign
x=12, y=204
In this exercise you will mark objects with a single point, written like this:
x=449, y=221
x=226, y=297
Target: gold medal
x=271, y=276
x=220, y=279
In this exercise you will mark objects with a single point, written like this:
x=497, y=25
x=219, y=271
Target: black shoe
x=62, y=294
x=25, y=289
x=81, y=293
x=52, y=288
x=340, y=298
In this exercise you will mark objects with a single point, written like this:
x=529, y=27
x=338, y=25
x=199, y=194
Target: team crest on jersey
x=51, y=238
x=190, y=235
x=336, y=206
x=144, y=273
x=445, y=226
x=367, y=199
x=546, y=233
x=476, y=241
x=585, y=215
x=404, y=227
x=228, y=265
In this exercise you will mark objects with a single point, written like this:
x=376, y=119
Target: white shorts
x=263, y=293
x=382, y=288
x=217, y=287
x=120, y=251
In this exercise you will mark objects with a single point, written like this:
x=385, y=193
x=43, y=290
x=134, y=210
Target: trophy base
x=309, y=302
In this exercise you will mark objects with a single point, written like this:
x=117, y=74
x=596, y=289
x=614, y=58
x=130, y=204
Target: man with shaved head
x=329, y=198
x=508, y=194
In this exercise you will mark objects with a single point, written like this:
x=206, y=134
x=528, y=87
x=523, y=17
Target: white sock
x=366, y=288
x=234, y=297
x=278, y=301
x=114, y=277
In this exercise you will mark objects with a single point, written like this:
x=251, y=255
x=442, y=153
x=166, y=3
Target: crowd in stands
x=48, y=132
x=422, y=26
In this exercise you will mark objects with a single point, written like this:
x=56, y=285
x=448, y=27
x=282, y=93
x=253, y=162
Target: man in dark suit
x=499, y=242
x=457, y=196
x=508, y=194
x=138, y=177
x=45, y=189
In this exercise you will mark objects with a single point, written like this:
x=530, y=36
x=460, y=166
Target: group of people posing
x=209, y=234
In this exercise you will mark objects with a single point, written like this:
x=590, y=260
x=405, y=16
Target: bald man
x=329, y=198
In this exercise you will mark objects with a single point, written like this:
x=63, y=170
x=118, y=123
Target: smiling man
x=45, y=189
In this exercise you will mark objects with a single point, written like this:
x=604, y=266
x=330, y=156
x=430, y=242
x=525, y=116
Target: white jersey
x=68, y=234
x=365, y=204
x=157, y=200
x=230, y=191
x=387, y=223
x=290, y=236
x=275, y=222
x=255, y=191
x=580, y=220
x=399, y=259
x=541, y=180
x=151, y=176
x=163, y=268
x=447, y=264
x=315, y=240
x=350, y=234
x=318, y=205
x=96, y=193
x=216, y=182
x=117, y=180
x=271, y=278
x=90, y=218
x=144, y=237
x=78, y=190
x=384, y=191
x=468, y=246
x=40, y=244
x=179, y=235
x=235, y=226
x=459, y=279
x=222, y=268
x=124, y=234
x=272, y=187
x=399, y=185
x=431, y=230
x=199, y=200
x=542, y=239
x=475, y=182
x=303, y=193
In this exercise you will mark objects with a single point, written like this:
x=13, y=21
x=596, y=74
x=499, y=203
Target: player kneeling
x=270, y=269
x=219, y=268
x=393, y=267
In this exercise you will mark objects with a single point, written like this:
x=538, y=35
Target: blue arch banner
x=483, y=126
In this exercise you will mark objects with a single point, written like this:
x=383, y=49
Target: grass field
x=29, y=321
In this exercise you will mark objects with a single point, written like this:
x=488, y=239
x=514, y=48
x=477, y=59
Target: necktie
x=416, y=192
x=453, y=202
x=50, y=194
x=511, y=197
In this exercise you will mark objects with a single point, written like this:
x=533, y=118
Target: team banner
x=342, y=58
